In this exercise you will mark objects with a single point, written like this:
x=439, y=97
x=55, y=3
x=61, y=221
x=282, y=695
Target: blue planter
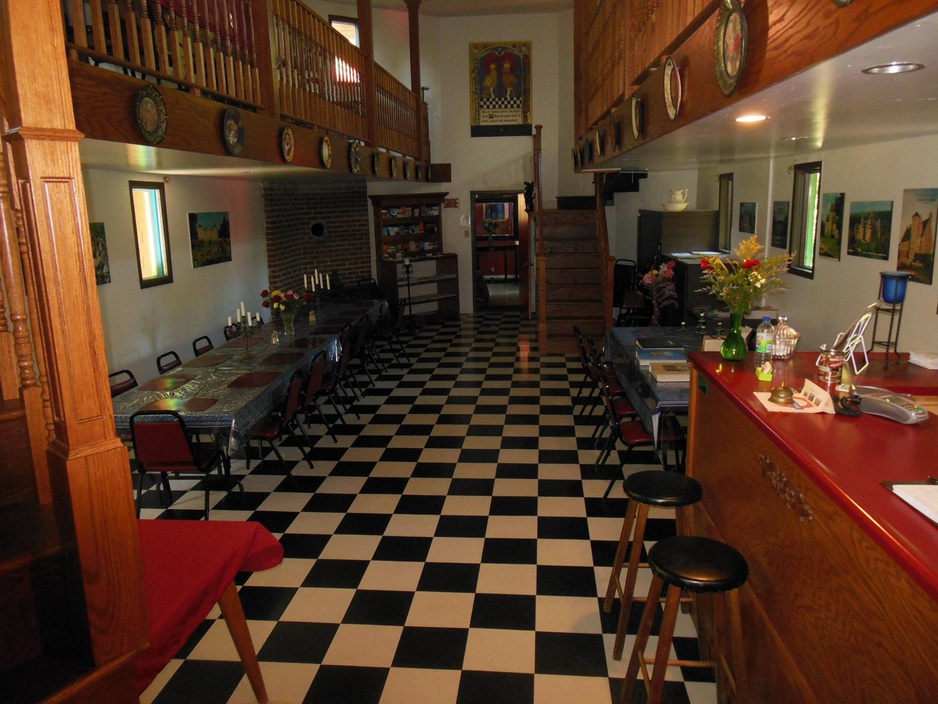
x=892, y=286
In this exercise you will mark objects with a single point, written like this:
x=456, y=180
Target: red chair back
x=161, y=442
x=122, y=381
x=292, y=405
x=317, y=373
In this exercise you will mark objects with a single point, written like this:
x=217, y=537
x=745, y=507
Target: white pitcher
x=679, y=195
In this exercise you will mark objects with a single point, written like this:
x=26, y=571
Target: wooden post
x=413, y=24
x=366, y=38
x=88, y=465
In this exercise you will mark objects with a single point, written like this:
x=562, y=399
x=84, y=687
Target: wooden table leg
x=230, y=605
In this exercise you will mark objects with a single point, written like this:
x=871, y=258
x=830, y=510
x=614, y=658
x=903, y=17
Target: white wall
x=823, y=306
x=140, y=324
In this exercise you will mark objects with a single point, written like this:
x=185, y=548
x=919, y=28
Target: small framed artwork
x=210, y=238
x=870, y=229
x=747, y=218
x=832, y=225
x=102, y=267
x=780, y=210
x=917, y=244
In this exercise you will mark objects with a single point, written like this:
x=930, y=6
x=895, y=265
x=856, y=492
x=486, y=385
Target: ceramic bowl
x=674, y=207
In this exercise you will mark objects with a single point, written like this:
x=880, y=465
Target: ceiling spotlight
x=894, y=67
x=752, y=118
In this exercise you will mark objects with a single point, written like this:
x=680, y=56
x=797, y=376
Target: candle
x=242, y=308
x=328, y=287
x=316, y=277
x=249, y=320
x=238, y=313
x=406, y=261
x=229, y=321
x=314, y=284
x=305, y=282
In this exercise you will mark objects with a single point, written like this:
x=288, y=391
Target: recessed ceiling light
x=752, y=118
x=893, y=67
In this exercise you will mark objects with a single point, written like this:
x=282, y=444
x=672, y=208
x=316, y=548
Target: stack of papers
x=929, y=360
x=923, y=497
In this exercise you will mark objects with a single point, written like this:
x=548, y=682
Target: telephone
x=889, y=404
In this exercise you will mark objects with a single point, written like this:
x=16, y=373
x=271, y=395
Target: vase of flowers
x=738, y=281
x=286, y=304
x=658, y=285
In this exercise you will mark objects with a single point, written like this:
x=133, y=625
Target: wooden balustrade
x=601, y=69
x=308, y=74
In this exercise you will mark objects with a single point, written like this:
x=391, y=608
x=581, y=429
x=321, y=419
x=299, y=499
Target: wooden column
x=366, y=38
x=88, y=465
x=413, y=24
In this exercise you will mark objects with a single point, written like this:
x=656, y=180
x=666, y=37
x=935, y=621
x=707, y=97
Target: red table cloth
x=187, y=565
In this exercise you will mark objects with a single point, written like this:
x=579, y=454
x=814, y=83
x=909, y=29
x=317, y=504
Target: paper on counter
x=811, y=399
x=921, y=497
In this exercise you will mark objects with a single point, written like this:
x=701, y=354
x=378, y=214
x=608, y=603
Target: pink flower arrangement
x=659, y=289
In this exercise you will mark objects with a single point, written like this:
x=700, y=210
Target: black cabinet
x=662, y=233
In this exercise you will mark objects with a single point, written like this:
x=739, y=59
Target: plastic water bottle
x=765, y=336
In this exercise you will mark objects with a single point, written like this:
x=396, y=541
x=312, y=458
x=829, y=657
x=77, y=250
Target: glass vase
x=734, y=345
x=289, y=318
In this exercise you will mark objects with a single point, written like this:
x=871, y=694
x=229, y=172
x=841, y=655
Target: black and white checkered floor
x=452, y=546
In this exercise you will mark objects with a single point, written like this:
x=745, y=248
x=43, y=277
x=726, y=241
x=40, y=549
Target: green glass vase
x=289, y=318
x=734, y=346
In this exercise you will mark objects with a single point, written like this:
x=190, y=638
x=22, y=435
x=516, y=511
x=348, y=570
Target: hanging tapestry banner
x=500, y=76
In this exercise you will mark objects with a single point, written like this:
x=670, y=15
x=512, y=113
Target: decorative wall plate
x=376, y=162
x=429, y=173
x=576, y=158
x=672, y=87
x=732, y=42
x=842, y=3
x=638, y=118
x=419, y=176
x=354, y=157
x=616, y=138
x=325, y=152
x=287, y=144
x=393, y=167
x=150, y=111
x=407, y=169
x=232, y=131
x=597, y=144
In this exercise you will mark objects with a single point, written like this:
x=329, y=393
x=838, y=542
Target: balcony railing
x=290, y=64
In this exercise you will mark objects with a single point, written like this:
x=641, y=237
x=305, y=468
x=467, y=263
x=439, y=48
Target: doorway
x=500, y=251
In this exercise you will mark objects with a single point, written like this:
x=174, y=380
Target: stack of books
x=668, y=372
x=645, y=357
x=929, y=360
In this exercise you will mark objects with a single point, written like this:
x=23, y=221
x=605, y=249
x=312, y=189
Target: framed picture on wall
x=832, y=225
x=747, y=218
x=870, y=229
x=780, y=210
x=917, y=244
x=500, y=80
x=102, y=267
x=210, y=238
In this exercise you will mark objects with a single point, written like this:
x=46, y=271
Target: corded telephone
x=889, y=404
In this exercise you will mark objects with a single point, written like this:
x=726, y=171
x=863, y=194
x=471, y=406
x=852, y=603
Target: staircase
x=570, y=280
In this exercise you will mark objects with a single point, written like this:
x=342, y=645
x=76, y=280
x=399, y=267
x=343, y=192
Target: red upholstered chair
x=162, y=445
x=283, y=421
x=388, y=328
x=122, y=381
x=628, y=429
x=201, y=345
x=314, y=390
x=168, y=360
x=232, y=331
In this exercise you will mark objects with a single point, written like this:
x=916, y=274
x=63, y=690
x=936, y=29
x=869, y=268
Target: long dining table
x=225, y=392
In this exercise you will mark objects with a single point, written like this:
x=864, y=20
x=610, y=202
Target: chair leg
x=139, y=490
x=308, y=442
x=231, y=609
x=641, y=640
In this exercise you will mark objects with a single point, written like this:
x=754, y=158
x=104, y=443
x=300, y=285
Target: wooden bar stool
x=697, y=565
x=644, y=489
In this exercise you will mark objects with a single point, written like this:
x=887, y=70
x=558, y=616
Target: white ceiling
x=829, y=106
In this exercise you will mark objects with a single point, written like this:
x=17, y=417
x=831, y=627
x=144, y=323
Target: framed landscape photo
x=917, y=243
x=747, y=218
x=210, y=238
x=500, y=80
x=832, y=225
x=102, y=267
x=870, y=229
x=780, y=209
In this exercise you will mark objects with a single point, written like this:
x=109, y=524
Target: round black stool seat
x=698, y=564
x=658, y=488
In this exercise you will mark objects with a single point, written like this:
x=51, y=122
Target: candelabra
x=408, y=270
x=246, y=332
